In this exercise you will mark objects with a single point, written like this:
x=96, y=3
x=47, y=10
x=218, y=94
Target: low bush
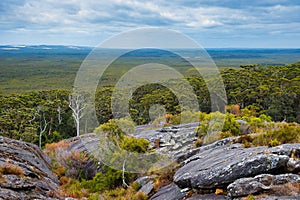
x=284, y=133
x=123, y=194
x=66, y=163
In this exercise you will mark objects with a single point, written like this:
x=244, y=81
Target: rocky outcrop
x=221, y=166
x=173, y=140
x=241, y=171
x=185, y=155
x=25, y=172
x=268, y=183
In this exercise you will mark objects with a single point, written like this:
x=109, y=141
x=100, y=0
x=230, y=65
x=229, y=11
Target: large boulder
x=218, y=167
x=25, y=172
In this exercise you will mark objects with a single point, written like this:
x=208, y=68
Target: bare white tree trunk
x=77, y=105
x=59, y=114
x=123, y=175
x=43, y=126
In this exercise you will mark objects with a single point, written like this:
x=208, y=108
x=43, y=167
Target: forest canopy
x=272, y=90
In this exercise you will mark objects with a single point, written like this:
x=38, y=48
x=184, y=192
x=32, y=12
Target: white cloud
x=212, y=18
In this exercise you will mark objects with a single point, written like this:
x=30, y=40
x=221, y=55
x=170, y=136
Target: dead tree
x=77, y=103
x=43, y=127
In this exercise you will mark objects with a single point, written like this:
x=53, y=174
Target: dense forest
x=46, y=116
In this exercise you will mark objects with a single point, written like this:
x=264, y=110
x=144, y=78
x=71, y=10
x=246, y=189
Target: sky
x=212, y=23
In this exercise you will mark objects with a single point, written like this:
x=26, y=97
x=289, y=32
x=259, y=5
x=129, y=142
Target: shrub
x=110, y=128
x=66, y=163
x=250, y=197
x=285, y=133
x=101, y=182
x=128, y=143
x=212, y=128
x=164, y=176
x=73, y=188
x=246, y=140
x=231, y=125
x=132, y=144
x=123, y=194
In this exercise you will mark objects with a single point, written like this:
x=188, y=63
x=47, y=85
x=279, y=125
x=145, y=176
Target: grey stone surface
x=281, y=198
x=221, y=166
x=260, y=183
x=147, y=188
x=169, y=192
x=144, y=180
x=174, y=140
x=293, y=165
x=86, y=144
x=37, y=182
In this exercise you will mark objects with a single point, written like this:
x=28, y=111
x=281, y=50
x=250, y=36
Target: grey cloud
x=209, y=18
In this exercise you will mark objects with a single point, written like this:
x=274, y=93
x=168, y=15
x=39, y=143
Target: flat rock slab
x=220, y=166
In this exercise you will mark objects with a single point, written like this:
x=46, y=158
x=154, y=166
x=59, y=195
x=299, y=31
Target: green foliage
x=24, y=116
x=258, y=91
x=284, y=133
x=213, y=122
x=104, y=181
x=132, y=144
x=110, y=128
x=250, y=197
x=231, y=125
x=258, y=122
x=129, y=143
x=277, y=134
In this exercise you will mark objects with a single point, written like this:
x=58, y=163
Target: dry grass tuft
x=11, y=169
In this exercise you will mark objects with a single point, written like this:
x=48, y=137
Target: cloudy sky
x=212, y=23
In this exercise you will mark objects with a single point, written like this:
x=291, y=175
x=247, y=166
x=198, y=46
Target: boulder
x=169, y=192
x=173, y=140
x=184, y=156
x=264, y=183
x=147, y=188
x=220, y=166
x=25, y=172
x=146, y=183
x=86, y=144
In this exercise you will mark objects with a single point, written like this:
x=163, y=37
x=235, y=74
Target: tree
x=43, y=127
x=77, y=103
